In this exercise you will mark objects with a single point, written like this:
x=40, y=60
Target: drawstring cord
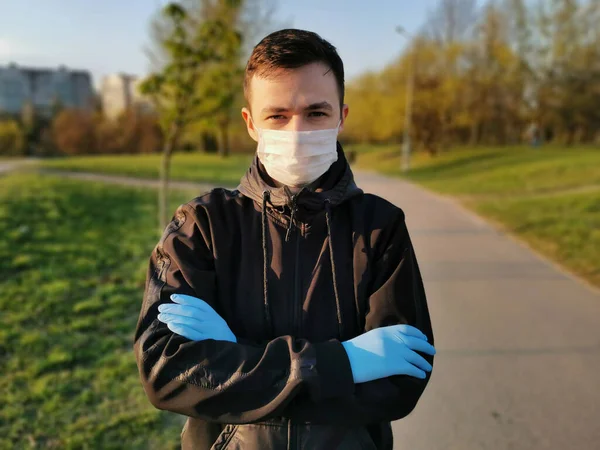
x=333, y=272
x=328, y=215
x=292, y=217
x=267, y=312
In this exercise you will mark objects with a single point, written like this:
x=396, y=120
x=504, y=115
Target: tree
x=108, y=137
x=138, y=132
x=190, y=48
x=492, y=60
x=220, y=85
x=31, y=127
x=451, y=21
x=484, y=75
x=12, y=139
x=74, y=132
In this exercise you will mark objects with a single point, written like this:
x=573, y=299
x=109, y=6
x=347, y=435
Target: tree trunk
x=224, y=132
x=163, y=193
x=474, y=134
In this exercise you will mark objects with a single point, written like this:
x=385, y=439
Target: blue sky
x=109, y=36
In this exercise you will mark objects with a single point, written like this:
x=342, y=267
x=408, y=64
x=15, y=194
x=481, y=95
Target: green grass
x=73, y=257
x=550, y=197
x=565, y=227
x=198, y=167
x=513, y=171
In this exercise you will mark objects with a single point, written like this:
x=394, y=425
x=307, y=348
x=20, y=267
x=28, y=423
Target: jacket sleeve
x=220, y=381
x=397, y=297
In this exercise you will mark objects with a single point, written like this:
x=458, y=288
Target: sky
x=110, y=36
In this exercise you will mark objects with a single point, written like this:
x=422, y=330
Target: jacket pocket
x=274, y=436
x=256, y=436
x=225, y=438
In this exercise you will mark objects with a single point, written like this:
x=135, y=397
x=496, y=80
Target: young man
x=289, y=313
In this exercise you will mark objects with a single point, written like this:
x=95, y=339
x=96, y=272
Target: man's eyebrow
x=274, y=109
x=321, y=105
x=311, y=107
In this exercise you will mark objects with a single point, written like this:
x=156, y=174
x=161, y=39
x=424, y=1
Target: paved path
x=129, y=181
x=518, y=340
x=11, y=164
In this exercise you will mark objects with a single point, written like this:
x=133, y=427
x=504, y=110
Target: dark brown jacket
x=293, y=276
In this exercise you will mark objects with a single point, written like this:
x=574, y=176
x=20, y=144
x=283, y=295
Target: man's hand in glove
x=194, y=319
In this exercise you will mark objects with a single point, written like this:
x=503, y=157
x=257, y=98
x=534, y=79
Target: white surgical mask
x=297, y=158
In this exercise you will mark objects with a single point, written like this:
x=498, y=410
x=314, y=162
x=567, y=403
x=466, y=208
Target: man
x=289, y=313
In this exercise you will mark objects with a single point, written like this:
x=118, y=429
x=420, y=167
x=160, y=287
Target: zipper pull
x=292, y=216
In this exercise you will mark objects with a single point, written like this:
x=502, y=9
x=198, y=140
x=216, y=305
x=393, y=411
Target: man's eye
x=317, y=114
x=276, y=117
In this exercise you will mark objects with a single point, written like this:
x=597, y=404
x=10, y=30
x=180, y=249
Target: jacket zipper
x=296, y=297
x=297, y=306
x=296, y=316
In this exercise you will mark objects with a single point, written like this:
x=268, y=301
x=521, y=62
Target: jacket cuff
x=333, y=373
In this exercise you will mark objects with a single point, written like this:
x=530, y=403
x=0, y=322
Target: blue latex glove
x=388, y=351
x=194, y=319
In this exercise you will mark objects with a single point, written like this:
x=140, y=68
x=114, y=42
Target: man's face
x=301, y=99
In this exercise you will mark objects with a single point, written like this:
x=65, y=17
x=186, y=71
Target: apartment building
x=44, y=87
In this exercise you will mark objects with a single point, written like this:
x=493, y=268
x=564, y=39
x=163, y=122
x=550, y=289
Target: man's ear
x=249, y=123
x=344, y=115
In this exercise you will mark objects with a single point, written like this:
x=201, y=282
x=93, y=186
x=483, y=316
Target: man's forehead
x=315, y=69
x=300, y=87
x=293, y=77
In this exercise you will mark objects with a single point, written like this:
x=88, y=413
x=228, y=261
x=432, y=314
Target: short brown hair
x=290, y=49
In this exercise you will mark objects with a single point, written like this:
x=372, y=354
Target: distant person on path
x=290, y=312
x=534, y=134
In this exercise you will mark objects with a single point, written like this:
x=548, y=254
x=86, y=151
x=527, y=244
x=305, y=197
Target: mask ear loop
x=258, y=132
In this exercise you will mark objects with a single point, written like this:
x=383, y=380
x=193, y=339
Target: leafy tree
x=484, y=74
x=12, y=139
x=190, y=49
x=74, y=132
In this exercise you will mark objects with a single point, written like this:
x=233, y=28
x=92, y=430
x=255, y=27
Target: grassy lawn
x=513, y=171
x=564, y=227
x=73, y=257
x=202, y=168
x=550, y=197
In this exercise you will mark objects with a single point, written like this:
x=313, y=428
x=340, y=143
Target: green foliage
x=73, y=257
x=514, y=64
x=74, y=132
x=198, y=89
x=12, y=139
x=191, y=49
x=33, y=128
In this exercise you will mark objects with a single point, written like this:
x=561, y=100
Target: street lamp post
x=410, y=87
